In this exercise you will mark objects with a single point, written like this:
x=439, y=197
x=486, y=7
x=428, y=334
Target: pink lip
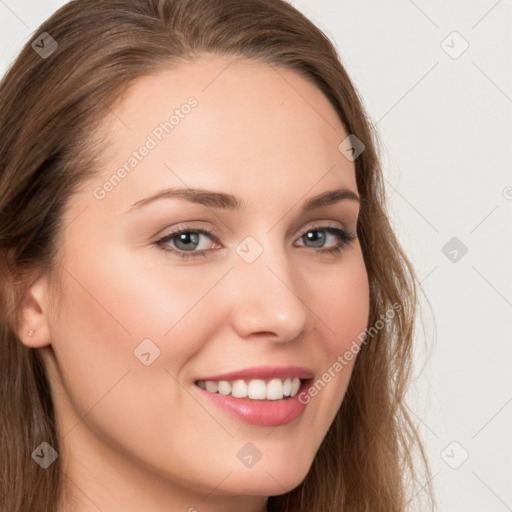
x=264, y=413
x=264, y=373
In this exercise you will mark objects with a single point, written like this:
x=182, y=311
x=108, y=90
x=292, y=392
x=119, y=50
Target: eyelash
x=344, y=238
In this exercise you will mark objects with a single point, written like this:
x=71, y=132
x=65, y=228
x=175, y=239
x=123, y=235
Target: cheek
x=117, y=305
x=342, y=307
x=342, y=303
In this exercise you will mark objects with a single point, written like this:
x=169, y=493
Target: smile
x=264, y=396
x=254, y=389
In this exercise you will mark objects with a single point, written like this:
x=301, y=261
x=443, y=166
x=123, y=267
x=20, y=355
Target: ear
x=33, y=330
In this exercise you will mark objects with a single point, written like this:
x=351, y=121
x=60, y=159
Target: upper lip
x=263, y=372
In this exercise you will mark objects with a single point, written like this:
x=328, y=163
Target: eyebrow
x=228, y=201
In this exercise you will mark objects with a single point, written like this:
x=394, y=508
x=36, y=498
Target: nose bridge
x=267, y=296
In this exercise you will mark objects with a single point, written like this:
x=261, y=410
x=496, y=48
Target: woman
x=204, y=305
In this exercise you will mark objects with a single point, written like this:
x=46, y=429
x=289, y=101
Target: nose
x=267, y=298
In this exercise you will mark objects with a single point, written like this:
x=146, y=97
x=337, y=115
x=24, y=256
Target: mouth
x=261, y=396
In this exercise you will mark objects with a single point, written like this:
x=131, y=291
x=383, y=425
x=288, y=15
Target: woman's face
x=250, y=287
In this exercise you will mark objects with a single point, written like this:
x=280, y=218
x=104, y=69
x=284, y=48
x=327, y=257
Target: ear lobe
x=33, y=330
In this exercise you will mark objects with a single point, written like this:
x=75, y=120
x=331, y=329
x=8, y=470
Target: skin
x=136, y=437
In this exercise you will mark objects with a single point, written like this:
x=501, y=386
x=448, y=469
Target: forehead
x=219, y=122
x=228, y=83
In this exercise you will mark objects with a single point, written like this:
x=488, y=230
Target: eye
x=186, y=241
x=190, y=242
x=320, y=235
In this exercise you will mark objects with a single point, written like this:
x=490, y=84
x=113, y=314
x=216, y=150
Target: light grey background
x=444, y=122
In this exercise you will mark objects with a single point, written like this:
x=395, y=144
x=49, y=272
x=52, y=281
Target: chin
x=263, y=484
x=270, y=479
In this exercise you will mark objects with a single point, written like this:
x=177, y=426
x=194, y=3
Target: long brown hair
x=50, y=108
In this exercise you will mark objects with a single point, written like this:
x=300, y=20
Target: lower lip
x=264, y=413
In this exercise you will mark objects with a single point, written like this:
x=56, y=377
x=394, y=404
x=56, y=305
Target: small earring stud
x=31, y=332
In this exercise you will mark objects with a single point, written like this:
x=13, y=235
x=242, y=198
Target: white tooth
x=275, y=389
x=287, y=387
x=212, y=386
x=224, y=387
x=201, y=384
x=239, y=389
x=257, y=390
x=295, y=386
